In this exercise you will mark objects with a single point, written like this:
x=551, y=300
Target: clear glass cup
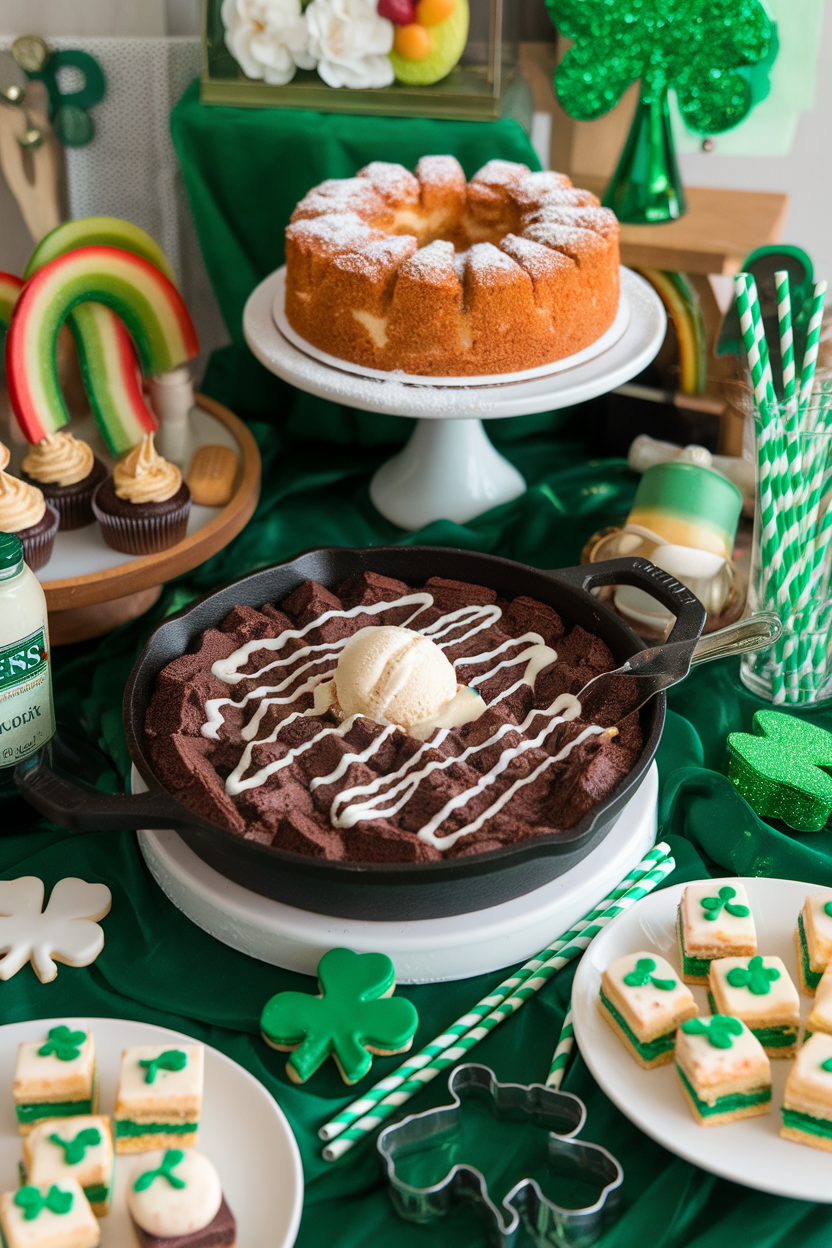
x=792, y=554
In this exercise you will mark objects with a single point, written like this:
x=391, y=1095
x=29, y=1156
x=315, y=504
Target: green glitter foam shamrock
x=171, y=1059
x=65, y=1044
x=74, y=1149
x=354, y=1016
x=720, y=1029
x=172, y=1158
x=755, y=977
x=640, y=976
x=33, y=1202
x=778, y=769
x=713, y=905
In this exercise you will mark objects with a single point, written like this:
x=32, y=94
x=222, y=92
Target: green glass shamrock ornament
x=75, y=1148
x=778, y=769
x=699, y=48
x=713, y=905
x=354, y=1017
x=32, y=1202
x=65, y=1044
x=756, y=977
x=640, y=976
x=720, y=1029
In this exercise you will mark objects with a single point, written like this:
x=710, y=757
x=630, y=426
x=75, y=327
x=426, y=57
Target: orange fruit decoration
x=432, y=12
x=412, y=42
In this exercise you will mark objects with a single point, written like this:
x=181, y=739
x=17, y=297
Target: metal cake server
x=659, y=667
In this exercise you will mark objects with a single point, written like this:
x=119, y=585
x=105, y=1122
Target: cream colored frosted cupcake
x=68, y=474
x=144, y=506
x=24, y=511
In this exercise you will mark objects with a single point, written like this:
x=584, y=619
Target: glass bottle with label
x=27, y=717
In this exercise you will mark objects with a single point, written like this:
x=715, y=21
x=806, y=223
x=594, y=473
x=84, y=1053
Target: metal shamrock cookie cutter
x=481, y=1149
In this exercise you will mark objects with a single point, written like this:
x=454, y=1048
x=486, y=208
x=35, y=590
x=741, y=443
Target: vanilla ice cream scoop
x=396, y=676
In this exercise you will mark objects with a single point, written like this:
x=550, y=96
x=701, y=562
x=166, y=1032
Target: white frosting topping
x=46, y=1161
x=726, y=929
x=32, y=1070
x=818, y=927
x=184, y=1086
x=76, y=1226
x=807, y=1075
x=648, y=1004
x=308, y=667
x=164, y=1209
x=820, y=1018
x=756, y=1008
x=709, y=1066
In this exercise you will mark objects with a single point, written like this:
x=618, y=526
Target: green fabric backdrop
x=158, y=967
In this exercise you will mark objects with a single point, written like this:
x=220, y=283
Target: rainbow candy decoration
x=10, y=288
x=101, y=232
x=680, y=298
x=141, y=296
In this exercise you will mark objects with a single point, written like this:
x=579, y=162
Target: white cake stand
x=449, y=468
x=423, y=950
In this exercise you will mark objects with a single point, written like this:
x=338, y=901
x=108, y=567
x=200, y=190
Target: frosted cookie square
x=72, y=1148
x=159, y=1097
x=644, y=1002
x=52, y=1215
x=714, y=921
x=723, y=1069
x=807, y=1103
x=758, y=990
x=55, y=1077
x=813, y=940
x=820, y=1018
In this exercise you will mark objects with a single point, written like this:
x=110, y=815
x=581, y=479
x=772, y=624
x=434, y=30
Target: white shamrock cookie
x=65, y=931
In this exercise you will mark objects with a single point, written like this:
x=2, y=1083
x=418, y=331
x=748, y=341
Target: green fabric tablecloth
x=158, y=967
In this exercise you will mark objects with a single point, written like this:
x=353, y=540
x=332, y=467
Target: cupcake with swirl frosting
x=24, y=511
x=143, y=507
x=68, y=474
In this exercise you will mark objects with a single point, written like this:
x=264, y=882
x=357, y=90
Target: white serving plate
x=242, y=1130
x=749, y=1151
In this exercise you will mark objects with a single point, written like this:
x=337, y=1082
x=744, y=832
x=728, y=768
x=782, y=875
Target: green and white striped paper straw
x=434, y=1065
x=784, y=317
x=351, y=1113
x=561, y=1055
x=810, y=355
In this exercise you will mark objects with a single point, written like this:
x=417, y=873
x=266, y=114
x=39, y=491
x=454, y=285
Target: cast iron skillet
x=371, y=890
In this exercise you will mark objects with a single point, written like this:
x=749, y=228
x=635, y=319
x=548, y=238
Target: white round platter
x=749, y=1151
x=607, y=339
x=242, y=1130
x=423, y=951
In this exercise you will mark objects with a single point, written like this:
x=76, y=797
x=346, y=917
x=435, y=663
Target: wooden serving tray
x=91, y=590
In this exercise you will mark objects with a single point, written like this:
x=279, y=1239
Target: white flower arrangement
x=345, y=40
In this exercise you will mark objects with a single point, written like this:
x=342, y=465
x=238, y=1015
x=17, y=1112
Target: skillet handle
x=689, y=612
x=81, y=807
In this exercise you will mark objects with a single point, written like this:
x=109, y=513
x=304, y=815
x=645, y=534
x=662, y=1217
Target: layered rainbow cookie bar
x=760, y=992
x=644, y=1002
x=55, y=1077
x=723, y=1070
x=159, y=1097
x=72, y=1148
x=714, y=921
x=813, y=940
x=807, y=1103
x=48, y=1215
x=820, y=1018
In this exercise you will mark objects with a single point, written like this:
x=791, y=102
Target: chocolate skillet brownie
x=275, y=771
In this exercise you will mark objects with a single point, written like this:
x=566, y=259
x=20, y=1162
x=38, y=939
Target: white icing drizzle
x=387, y=794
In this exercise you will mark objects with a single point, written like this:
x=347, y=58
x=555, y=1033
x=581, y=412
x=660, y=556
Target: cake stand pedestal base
x=423, y=951
x=81, y=623
x=448, y=470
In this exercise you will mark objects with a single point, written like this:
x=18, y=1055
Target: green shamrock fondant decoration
x=778, y=769
x=755, y=977
x=32, y=1202
x=65, y=1044
x=640, y=976
x=827, y=1065
x=171, y=1059
x=74, y=1149
x=713, y=905
x=720, y=1029
x=354, y=1016
x=170, y=1161
x=827, y=909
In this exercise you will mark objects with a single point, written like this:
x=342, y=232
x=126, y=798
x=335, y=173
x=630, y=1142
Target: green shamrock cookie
x=778, y=769
x=353, y=1017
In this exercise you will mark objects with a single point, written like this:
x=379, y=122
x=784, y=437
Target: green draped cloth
x=244, y=171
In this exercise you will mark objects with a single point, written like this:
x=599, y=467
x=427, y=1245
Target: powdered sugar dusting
x=378, y=257
x=335, y=230
x=484, y=260
x=579, y=244
x=434, y=261
x=440, y=171
x=537, y=260
x=340, y=195
x=501, y=173
x=601, y=220
x=394, y=183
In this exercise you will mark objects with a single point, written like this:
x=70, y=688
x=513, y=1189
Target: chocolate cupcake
x=68, y=474
x=143, y=507
x=24, y=511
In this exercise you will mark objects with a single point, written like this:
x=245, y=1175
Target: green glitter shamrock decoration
x=354, y=1016
x=755, y=977
x=699, y=48
x=32, y=1202
x=65, y=1044
x=640, y=976
x=778, y=769
x=74, y=1149
x=713, y=905
x=171, y=1059
x=172, y=1158
x=720, y=1029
